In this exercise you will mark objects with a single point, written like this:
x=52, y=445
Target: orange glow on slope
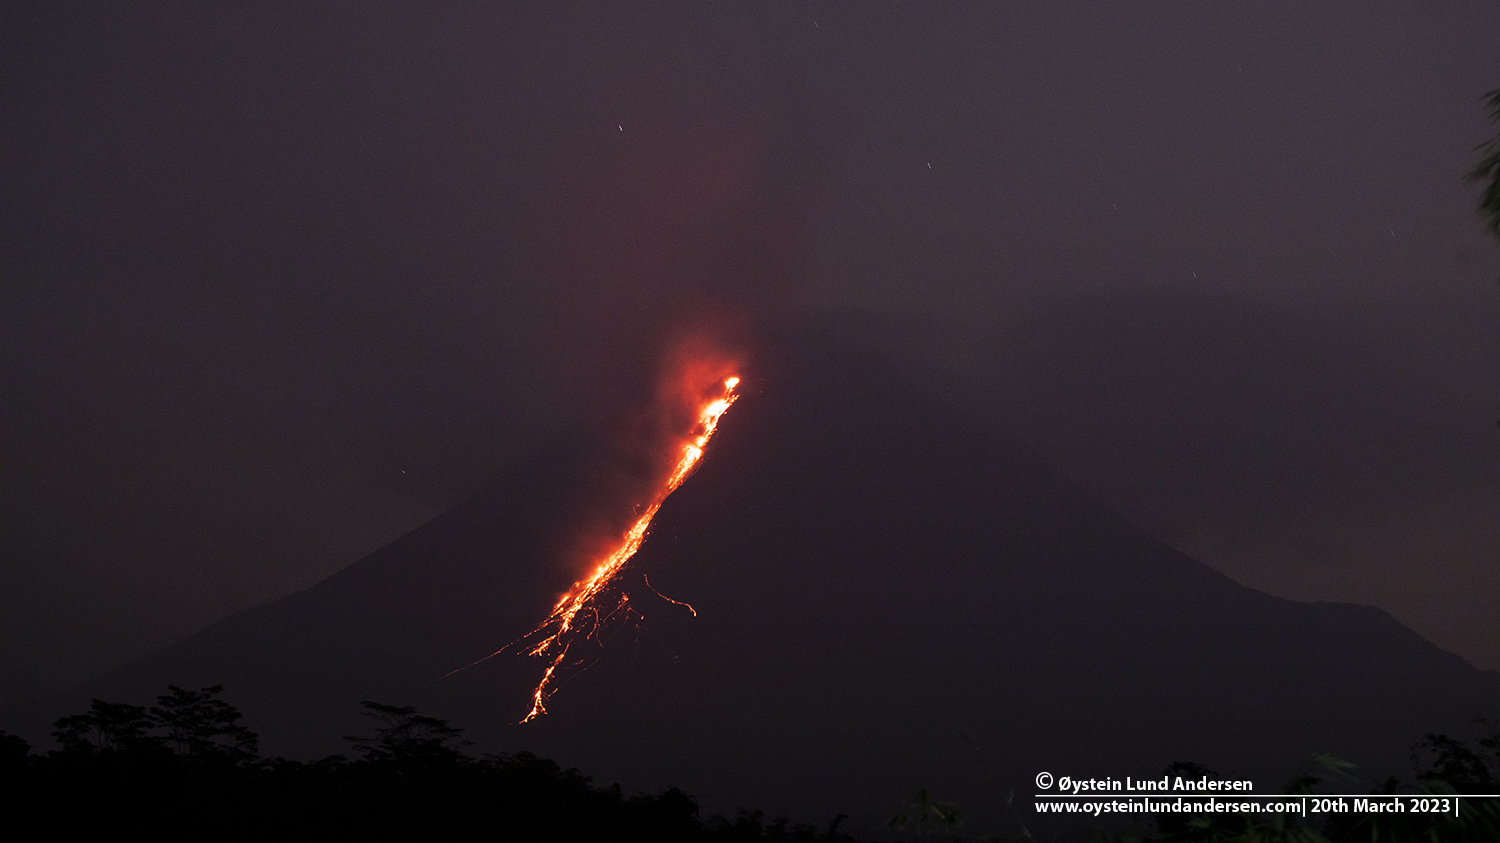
x=562, y=623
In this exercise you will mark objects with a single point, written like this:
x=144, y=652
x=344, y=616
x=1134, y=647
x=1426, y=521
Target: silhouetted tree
x=751, y=825
x=1465, y=768
x=13, y=749
x=1436, y=755
x=1489, y=170
x=409, y=740
x=106, y=727
x=924, y=815
x=412, y=780
x=15, y=757
x=200, y=726
x=1488, y=173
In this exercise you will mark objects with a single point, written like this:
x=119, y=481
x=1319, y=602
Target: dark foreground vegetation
x=187, y=767
x=1446, y=769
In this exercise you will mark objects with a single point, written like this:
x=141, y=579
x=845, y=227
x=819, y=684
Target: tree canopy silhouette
x=409, y=739
x=164, y=770
x=106, y=728
x=199, y=725
x=1488, y=170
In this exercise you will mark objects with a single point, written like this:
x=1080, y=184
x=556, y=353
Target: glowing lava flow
x=578, y=599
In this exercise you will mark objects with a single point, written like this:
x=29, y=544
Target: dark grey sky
x=282, y=283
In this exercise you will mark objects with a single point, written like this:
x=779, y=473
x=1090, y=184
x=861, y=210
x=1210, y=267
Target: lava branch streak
x=580, y=597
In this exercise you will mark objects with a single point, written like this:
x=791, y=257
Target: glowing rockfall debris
x=561, y=628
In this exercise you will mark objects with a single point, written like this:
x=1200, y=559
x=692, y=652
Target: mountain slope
x=888, y=596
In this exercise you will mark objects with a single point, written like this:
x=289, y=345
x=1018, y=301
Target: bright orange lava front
x=581, y=597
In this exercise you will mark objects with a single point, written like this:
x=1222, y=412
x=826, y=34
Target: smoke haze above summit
x=285, y=282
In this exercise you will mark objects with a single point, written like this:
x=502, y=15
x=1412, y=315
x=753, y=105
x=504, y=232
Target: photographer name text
x=1165, y=784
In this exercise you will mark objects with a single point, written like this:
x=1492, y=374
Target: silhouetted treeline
x=188, y=767
x=1444, y=767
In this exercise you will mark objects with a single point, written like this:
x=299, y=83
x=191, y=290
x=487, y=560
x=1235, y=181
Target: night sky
x=283, y=282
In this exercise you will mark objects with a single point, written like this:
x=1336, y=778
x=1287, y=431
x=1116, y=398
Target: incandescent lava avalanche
x=889, y=596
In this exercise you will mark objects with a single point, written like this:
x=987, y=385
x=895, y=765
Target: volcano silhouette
x=889, y=596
